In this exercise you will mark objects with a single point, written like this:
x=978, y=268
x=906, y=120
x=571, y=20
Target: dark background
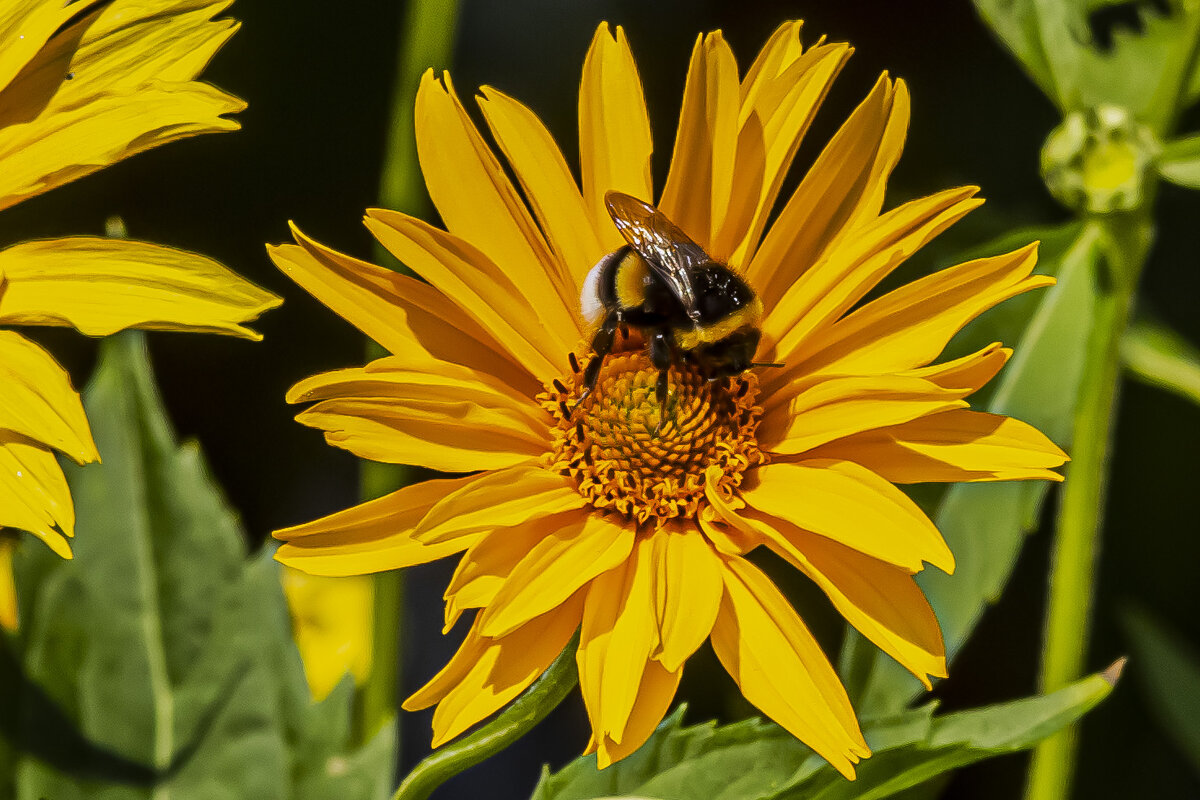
x=318, y=77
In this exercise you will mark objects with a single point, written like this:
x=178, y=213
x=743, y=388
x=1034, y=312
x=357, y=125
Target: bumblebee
x=692, y=309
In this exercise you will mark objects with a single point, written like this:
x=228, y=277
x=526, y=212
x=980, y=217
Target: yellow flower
x=331, y=623
x=84, y=85
x=593, y=520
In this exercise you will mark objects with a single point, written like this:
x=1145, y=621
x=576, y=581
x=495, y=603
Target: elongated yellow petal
x=73, y=142
x=551, y=572
x=487, y=673
x=502, y=499
x=840, y=190
x=27, y=25
x=955, y=445
x=699, y=184
x=332, y=626
x=476, y=285
x=38, y=401
x=780, y=667
x=969, y=372
x=479, y=204
x=883, y=602
x=9, y=619
x=33, y=493
x=687, y=593
x=450, y=436
x=407, y=317
x=101, y=286
x=851, y=505
x=614, y=130
x=778, y=105
x=373, y=536
x=809, y=415
x=544, y=175
x=910, y=326
x=847, y=273
x=655, y=691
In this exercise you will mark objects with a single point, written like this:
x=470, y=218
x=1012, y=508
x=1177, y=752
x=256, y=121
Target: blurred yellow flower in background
x=331, y=623
x=82, y=86
x=602, y=519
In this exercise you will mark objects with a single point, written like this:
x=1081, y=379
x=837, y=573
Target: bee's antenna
x=767, y=364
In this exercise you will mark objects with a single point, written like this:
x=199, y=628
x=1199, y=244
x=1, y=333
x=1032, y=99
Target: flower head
x=630, y=518
x=84, y=85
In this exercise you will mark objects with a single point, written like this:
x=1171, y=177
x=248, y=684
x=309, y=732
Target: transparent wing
x=664, y=247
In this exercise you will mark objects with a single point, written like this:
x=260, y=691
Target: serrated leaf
x=160, y=645
x=754, y=760
x=1179, y=162
x=1168, y=672
x=985, y=523
x=1158, y=355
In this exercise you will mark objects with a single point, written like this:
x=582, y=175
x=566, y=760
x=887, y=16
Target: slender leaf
x=985, y=523
x=160, y=645
x=1179, y=162
x=753, y=760
x=1168, y=672
x=1158, y=355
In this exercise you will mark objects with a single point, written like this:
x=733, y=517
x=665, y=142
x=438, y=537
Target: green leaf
x=755, y=760
x=160, y=645
x=1168, y=671
x=1179, y=162
x=985, y=523
x=1158, y=355
x=1148, y=71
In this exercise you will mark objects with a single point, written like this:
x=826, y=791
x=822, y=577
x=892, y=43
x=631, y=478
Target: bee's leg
x=602, y=344
x=661, y=353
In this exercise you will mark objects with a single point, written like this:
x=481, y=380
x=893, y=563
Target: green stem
x=1072, y=577
x=426, y=40
x=514, y=722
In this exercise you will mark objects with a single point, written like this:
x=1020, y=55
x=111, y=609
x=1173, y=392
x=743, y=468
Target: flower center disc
x=648, y=462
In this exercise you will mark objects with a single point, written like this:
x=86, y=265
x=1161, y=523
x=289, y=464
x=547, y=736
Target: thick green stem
x=514, y=722
x=1072, y=577
x=426, y=40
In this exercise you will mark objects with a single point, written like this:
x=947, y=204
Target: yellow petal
x=447, y=435
x=778, y=105
x=487, y=564
x=969, y=372
x=851, y=505
x=548, y=184
x=687, y=593
x=487, y=673
x=38, y=401
x=698, y=186
x=883, y=602
x=73, y=142
x=501, y=499
x=614, y=130
x=810, y=414
x=479, y=205
x=847, y=273
x=406, y=317
x=33, y=493
x=476, y=285
x=780, y=668
x=373, y=536
x=843, y=188
x=910, y=326
x=558, y=565
x=332, y=626
x=101, y=286
x=26, y=27
x=955, y=445
x=655, y=692
x=9, y=619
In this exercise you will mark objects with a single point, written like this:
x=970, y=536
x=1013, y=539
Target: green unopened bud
x=1097, y=160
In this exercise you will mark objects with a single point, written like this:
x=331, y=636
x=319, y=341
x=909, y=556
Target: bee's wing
x=661, y=244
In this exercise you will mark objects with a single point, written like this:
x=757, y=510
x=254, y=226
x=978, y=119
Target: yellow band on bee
x=630, y=281
x=746, y=316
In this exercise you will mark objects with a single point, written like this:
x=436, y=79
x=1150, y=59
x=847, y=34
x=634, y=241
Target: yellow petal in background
x=33, y=493
x=331, y=623
x=614, y=130
x=8, y=588
x=64, y=146
x=780, y=668
x=38, y=401
x=101, y=286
